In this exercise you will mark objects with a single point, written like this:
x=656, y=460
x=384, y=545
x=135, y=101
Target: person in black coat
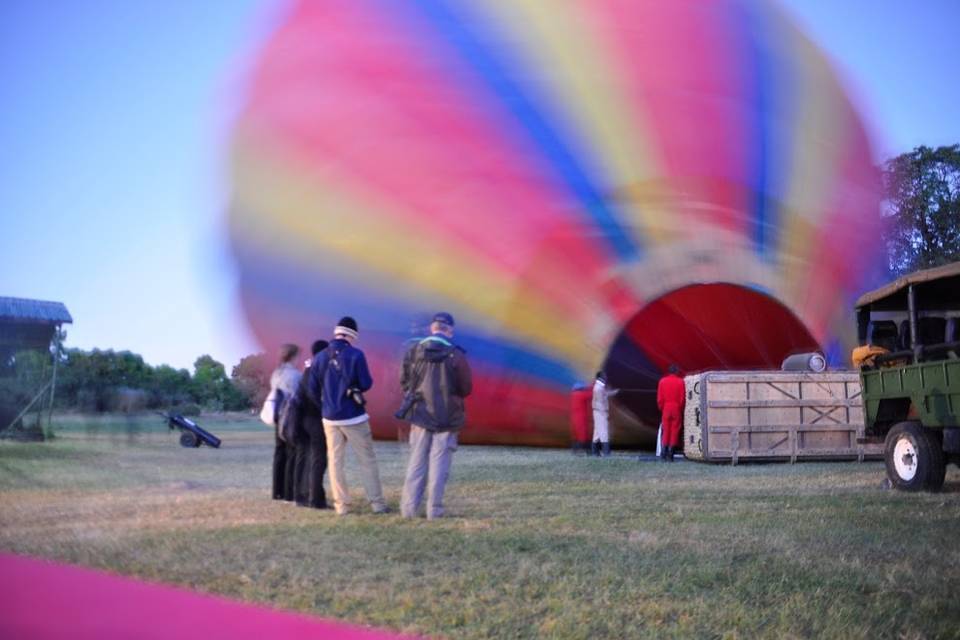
x=311, y=446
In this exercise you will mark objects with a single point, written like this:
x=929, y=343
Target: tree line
x=107, y=380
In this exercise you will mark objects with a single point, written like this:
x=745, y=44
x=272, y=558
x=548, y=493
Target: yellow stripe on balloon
x=814, y=164
x=314, y=218
x=581, y=82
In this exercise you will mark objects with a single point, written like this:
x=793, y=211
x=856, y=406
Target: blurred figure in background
x=312, y=445
x=285, y=379
x=670, y=400
x=601, y=415
x=581, y=403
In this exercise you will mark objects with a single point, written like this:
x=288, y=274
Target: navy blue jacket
x=333, y=371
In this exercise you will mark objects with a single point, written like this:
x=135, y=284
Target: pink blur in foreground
x=44, y=600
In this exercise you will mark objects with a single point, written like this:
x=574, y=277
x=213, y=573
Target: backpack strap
x=334, y=360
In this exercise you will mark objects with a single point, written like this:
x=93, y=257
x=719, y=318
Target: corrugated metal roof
x=33, y=311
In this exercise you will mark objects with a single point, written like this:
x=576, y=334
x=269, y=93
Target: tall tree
x=251, y=377
x=171, y=386
x=209, y=381
x=922, y=202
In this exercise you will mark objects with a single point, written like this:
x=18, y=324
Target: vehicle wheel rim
x=905, y=459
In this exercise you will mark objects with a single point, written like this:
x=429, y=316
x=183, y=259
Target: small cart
x=191, y=434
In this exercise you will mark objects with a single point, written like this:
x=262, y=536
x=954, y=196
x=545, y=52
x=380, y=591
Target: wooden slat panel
x=782, y=404
x=768, y=428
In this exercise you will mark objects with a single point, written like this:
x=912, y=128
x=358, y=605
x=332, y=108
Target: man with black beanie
x=339, y=377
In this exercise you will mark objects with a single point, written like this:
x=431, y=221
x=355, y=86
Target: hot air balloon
x=615, y=184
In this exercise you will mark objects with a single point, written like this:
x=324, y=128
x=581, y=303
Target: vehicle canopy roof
x=940, y=290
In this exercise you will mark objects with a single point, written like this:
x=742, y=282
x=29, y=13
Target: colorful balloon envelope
x=590, y=184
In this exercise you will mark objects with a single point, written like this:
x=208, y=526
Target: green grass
x=539, y=544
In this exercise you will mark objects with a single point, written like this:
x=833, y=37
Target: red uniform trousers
x=672, y=421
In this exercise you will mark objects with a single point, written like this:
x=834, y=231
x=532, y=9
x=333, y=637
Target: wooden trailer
x=731, y=416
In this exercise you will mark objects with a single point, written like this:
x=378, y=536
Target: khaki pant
x=358, y=435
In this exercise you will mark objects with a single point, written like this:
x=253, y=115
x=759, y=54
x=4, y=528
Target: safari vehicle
x=910, y=330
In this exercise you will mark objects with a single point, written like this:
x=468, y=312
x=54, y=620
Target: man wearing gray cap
x=435, y=380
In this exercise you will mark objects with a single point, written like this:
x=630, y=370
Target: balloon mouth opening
x=700, y=327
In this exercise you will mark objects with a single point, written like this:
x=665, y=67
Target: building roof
x=941, y=292
x=33, y=311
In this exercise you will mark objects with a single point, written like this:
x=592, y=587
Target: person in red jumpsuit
x=581, y=412
x=670, y=398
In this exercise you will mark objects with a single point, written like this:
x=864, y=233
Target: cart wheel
x=914, y=458
x=189, y=440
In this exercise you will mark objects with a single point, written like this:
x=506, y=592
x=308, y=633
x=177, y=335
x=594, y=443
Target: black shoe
x=669, y=454
x=605, y=449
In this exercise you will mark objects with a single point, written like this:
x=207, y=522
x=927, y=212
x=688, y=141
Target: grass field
x=539, y=544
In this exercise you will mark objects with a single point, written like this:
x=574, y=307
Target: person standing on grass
x=312, y=443
x=671, y=396
x=601, y=415
x=339, y=377
x=581, y=402
x=290, y=425
x=437, y=376
x=285, y=379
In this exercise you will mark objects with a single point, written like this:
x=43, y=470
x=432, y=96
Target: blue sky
x=897, y=59
x=114, y=117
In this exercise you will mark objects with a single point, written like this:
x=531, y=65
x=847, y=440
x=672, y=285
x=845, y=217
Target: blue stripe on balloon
x=761, y=105
x=471, y=38
x=835, y=353
x=269, y=277
x=773, y=77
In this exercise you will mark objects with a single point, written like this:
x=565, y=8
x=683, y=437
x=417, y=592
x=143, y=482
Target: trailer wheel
x=189, y=440
x=914, y=458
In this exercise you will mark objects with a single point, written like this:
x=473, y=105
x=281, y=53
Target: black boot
x=669, y=454
x=595, y=448
x=605, y=449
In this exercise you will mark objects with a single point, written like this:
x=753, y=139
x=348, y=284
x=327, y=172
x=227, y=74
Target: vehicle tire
x=913, y=457
x=189, y=440
x=938, y=462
